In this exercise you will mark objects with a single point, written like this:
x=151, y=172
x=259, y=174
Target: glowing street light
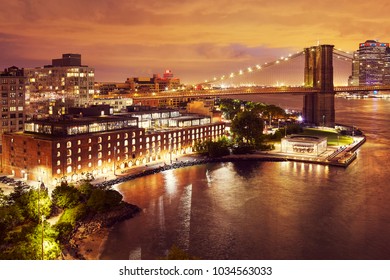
x=41, y=217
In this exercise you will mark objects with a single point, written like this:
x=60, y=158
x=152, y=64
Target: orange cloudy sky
x=195, y=39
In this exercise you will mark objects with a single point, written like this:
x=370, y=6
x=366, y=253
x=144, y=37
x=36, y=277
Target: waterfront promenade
x=340, y=156
x=333, y=156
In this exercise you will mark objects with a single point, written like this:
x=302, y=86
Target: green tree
x=65, y=196
x=27, y=243
x=273, y=112
x=219, y=148
x=34, y=204
x=10, y=217
x=230, y=107
x=101, y=200
x=85, y=188
x=247, y=128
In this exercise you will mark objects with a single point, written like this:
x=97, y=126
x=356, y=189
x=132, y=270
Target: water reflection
x=246, y=169
x=267, y=210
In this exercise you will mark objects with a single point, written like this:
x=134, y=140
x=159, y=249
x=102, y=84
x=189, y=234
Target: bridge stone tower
x=318, y=107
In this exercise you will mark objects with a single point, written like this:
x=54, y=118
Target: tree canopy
x=247, y=128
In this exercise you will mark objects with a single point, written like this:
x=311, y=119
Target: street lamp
x=41, y=216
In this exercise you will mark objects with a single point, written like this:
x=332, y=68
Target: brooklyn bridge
x=318, y=88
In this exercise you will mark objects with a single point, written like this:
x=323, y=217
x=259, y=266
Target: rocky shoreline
x=90, y=234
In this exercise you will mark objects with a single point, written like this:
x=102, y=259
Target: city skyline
x=195, y=39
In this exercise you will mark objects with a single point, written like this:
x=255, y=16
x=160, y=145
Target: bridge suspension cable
x=251, y=69
x=342, y=55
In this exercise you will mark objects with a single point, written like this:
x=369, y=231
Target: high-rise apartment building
x=371, y=63
x=65, y=77
x=13, y=90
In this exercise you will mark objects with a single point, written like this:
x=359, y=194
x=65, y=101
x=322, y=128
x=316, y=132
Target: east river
x=268, y=210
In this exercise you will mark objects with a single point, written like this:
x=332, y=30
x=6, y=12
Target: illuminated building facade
x=66, y=77
x=117, y=104
x=371, y=65
x=13, y=89
x=304, y=144
x=105, y=89
x=69, y=148
x=155, y=83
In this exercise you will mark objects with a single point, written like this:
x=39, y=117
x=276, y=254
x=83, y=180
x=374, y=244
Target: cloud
x=127, y=37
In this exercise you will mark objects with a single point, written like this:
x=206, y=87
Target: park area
x=334, y=138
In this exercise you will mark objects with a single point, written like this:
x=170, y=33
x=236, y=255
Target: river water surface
x=268, y=210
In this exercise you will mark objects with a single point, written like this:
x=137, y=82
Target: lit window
x=58, y=145
x=58, y=171
x=89, y=164
x=89, y=140
x=69, y=169
x=126, y=135
x=69, y=153
x=109, y=137
x=58, y=162
x=68, y=144
x=89, y=156
x=78, y=142
x=69, y=160
x=58, y=154
x=100, y=155
x=100, y=140
x=118, y=136
x=79, y=159
x=79, y=166
x=126, y=143
x=89, y=148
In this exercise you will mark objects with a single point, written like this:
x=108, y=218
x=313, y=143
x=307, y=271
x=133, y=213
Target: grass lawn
x=334, y=139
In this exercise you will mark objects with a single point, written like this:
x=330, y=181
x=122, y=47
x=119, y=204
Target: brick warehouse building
x=70, y=147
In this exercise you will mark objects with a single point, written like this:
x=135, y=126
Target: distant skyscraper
x=372, y=56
